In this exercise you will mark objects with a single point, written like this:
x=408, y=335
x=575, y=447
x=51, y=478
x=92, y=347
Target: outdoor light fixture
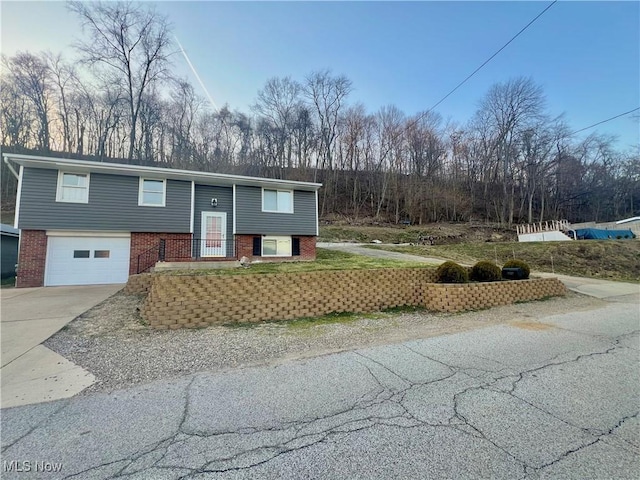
x=214, y=202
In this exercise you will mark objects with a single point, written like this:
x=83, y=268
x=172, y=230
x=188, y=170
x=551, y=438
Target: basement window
x=276, y=246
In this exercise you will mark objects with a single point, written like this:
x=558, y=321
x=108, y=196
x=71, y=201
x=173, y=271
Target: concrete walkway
x=360, y=249
x=31, y=373
x=594, y=287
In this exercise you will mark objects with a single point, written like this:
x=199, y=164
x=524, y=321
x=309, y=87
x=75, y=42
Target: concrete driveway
x=30, y=372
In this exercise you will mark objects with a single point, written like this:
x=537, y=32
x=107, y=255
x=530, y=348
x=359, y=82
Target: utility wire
x=424, y=114
x=491, y=57
x=604, y=121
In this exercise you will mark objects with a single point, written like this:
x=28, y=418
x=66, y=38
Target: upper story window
x=280, y=201
x=73, y=187
x=152, y=192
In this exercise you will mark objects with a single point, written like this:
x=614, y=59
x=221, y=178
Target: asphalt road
x=551, y=399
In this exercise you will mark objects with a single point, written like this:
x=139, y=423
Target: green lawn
x=608, y=259
x=325, y=260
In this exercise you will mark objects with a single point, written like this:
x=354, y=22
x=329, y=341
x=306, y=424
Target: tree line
x=513, y=162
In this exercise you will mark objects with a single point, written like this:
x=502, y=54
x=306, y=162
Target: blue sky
x=585, y=55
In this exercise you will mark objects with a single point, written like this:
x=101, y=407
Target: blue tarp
x=597, y=234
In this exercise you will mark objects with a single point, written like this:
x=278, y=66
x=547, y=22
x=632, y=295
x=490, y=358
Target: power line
x=424, y=114
x=492, y=56
x=604, y=121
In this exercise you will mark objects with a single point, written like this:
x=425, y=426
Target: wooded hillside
x=513, y=162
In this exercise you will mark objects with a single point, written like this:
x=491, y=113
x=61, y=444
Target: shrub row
x=484, y=271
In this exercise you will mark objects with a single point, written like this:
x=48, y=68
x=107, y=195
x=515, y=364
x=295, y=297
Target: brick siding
x=178, y=247
x=31, y=258
x=244, y=245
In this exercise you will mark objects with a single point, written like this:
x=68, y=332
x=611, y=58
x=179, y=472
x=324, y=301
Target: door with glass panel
x=214, y=234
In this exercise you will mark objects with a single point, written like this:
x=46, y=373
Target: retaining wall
x=177, y=301
x=139, y=284
x=475, y=296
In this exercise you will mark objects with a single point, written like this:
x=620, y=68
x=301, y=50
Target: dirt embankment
x=340, y=230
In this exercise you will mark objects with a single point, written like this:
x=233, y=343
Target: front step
x=166, y=266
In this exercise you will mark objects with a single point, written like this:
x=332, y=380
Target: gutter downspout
x=15, y=174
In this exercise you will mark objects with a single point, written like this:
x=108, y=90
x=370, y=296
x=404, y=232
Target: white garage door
x=87, y=260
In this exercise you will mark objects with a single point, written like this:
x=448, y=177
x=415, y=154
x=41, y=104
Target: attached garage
x=87, y=260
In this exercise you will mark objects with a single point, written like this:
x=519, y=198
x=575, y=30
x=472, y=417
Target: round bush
x=519, y=264
x=451, y=272
x=486, y=272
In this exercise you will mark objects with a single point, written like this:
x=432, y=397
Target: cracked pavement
x=557, y=398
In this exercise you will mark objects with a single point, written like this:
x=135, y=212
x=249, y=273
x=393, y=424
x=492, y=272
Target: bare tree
x=278, y=103
x=32, y=78
x=506, y=111
x=131, y=44
x=425, y=156
x=183, y=110
x=64, y=78
x=327, y=94
x=16, y=117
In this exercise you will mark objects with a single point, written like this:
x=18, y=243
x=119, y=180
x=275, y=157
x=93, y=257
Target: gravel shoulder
x=111, y=341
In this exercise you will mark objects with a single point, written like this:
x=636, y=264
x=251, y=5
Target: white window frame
x=60, y=187
x=278, y=239
x=279, y=190
x=141, y=191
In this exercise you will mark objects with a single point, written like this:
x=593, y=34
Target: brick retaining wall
x=177, y=301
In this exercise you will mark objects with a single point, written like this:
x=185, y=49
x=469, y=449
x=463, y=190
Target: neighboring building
x=88, y=222
x=9, y=248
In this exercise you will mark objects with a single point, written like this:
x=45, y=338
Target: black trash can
x=513, y=273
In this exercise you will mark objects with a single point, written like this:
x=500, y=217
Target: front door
x=214, y=234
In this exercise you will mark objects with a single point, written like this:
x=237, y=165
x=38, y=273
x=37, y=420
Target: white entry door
x=214, y=234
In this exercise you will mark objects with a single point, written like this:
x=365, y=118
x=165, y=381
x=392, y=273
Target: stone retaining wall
x=138, y=284
x=475, y=296
x=177, y=301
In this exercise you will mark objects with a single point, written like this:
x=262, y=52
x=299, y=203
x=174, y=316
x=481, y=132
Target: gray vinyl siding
x=113, y=205
x=250, y=219
x=203, y=196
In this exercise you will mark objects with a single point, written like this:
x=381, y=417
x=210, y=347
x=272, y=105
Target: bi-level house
x=84, y=222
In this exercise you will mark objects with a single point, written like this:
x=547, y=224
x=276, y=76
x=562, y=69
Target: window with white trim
x=152, y=192
x=273, y=246
x=278, y=201
x=72, y=187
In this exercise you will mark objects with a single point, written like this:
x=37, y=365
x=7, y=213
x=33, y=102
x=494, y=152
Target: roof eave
x=170, y=173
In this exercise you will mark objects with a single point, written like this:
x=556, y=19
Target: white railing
x=540, y=227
